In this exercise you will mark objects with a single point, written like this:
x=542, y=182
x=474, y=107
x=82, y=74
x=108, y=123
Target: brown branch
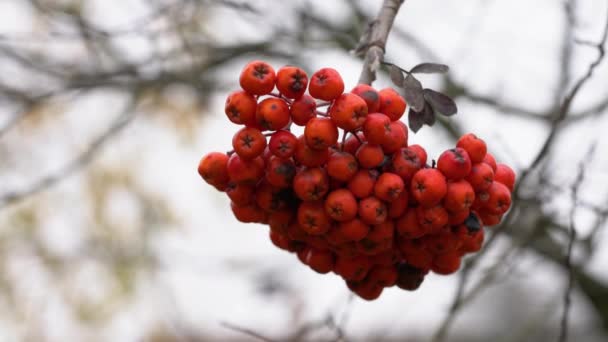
x=373, y=41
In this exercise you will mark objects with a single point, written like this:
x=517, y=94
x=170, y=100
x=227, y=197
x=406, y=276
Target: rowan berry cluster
x=367, y=207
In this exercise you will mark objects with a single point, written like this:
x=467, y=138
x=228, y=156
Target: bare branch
x=565, y=107
x=572, y=237
x=246, y=331
x=373, y=42
x=80, y=161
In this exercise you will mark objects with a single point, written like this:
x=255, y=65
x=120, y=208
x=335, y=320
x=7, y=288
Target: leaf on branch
x=396, y=75
x=428, y=114
x=413, y=93
x=430, y=68
x=415, y=120
x=441, y=103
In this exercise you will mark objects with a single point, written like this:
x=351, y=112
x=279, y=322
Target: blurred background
x=107, y=232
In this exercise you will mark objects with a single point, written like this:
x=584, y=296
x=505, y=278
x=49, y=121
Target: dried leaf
x=441, y=103
x=396, y=75
x=430, y=68
x=472, y=223
x=415, y=120
x=428, y=114
x=413, y=93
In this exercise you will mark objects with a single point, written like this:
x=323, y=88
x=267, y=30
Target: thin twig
x=246, y=331
x=572, y=237
x=80, y=161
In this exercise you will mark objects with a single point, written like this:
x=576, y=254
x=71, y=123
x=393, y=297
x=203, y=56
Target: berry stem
x=344, y=134
x=280, y=96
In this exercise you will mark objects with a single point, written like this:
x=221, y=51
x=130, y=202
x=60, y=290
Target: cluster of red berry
x=367, y=207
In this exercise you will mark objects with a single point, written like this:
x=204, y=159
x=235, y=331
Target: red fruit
x=354, y=230
x=257, y=78
x=472, y=242
x=342, y=166
x=280, y=172
x=459, y=197
x=499, y=200
x=341, y=205
x=376, y=128
x=414, y=252
x=303, y=109
x=489, y=219
x=270, y=198
x=245, y=171
x=419, y=150
x=312, y=218
x=362, y=183
x=481, y=176
x=326, y=84
x=386, y=276
x=446, y=263
x=432, y=219
x=291, y=82
x=406, y=163
x=306, y=156
x=395, y=138
x=249, y=143
x=280, y=220
x=398, y=207
x=408, y=226
x=505, y=175
x=320, y=133
x=372, y=210
x=248, y=213
x=279, y=240
x=366, y=289
x=354, y=269
x=240, y=194
x=353, y=142
x=443, y=242
x=388, y=187
x=272, y=114
x=369, y=156
x=458, y=217
x=213, y=168
x=283, y=144
x=321, y=261
x=240, y=107
x=489, y=159
x=391, y=103
x=428, y=187
x=348, y=112
x=379, y=239
x=369, y=95
x=311, y=184
x=455, y=164
x=475, y=147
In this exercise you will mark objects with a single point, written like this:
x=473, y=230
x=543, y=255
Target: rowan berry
x=326, y=84
x=257, y=78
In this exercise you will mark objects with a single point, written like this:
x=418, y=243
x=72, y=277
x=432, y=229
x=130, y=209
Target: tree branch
x=80, y=161
x=373, y=41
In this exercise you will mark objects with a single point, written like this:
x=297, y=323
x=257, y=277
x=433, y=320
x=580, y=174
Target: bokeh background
x=107, y=233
